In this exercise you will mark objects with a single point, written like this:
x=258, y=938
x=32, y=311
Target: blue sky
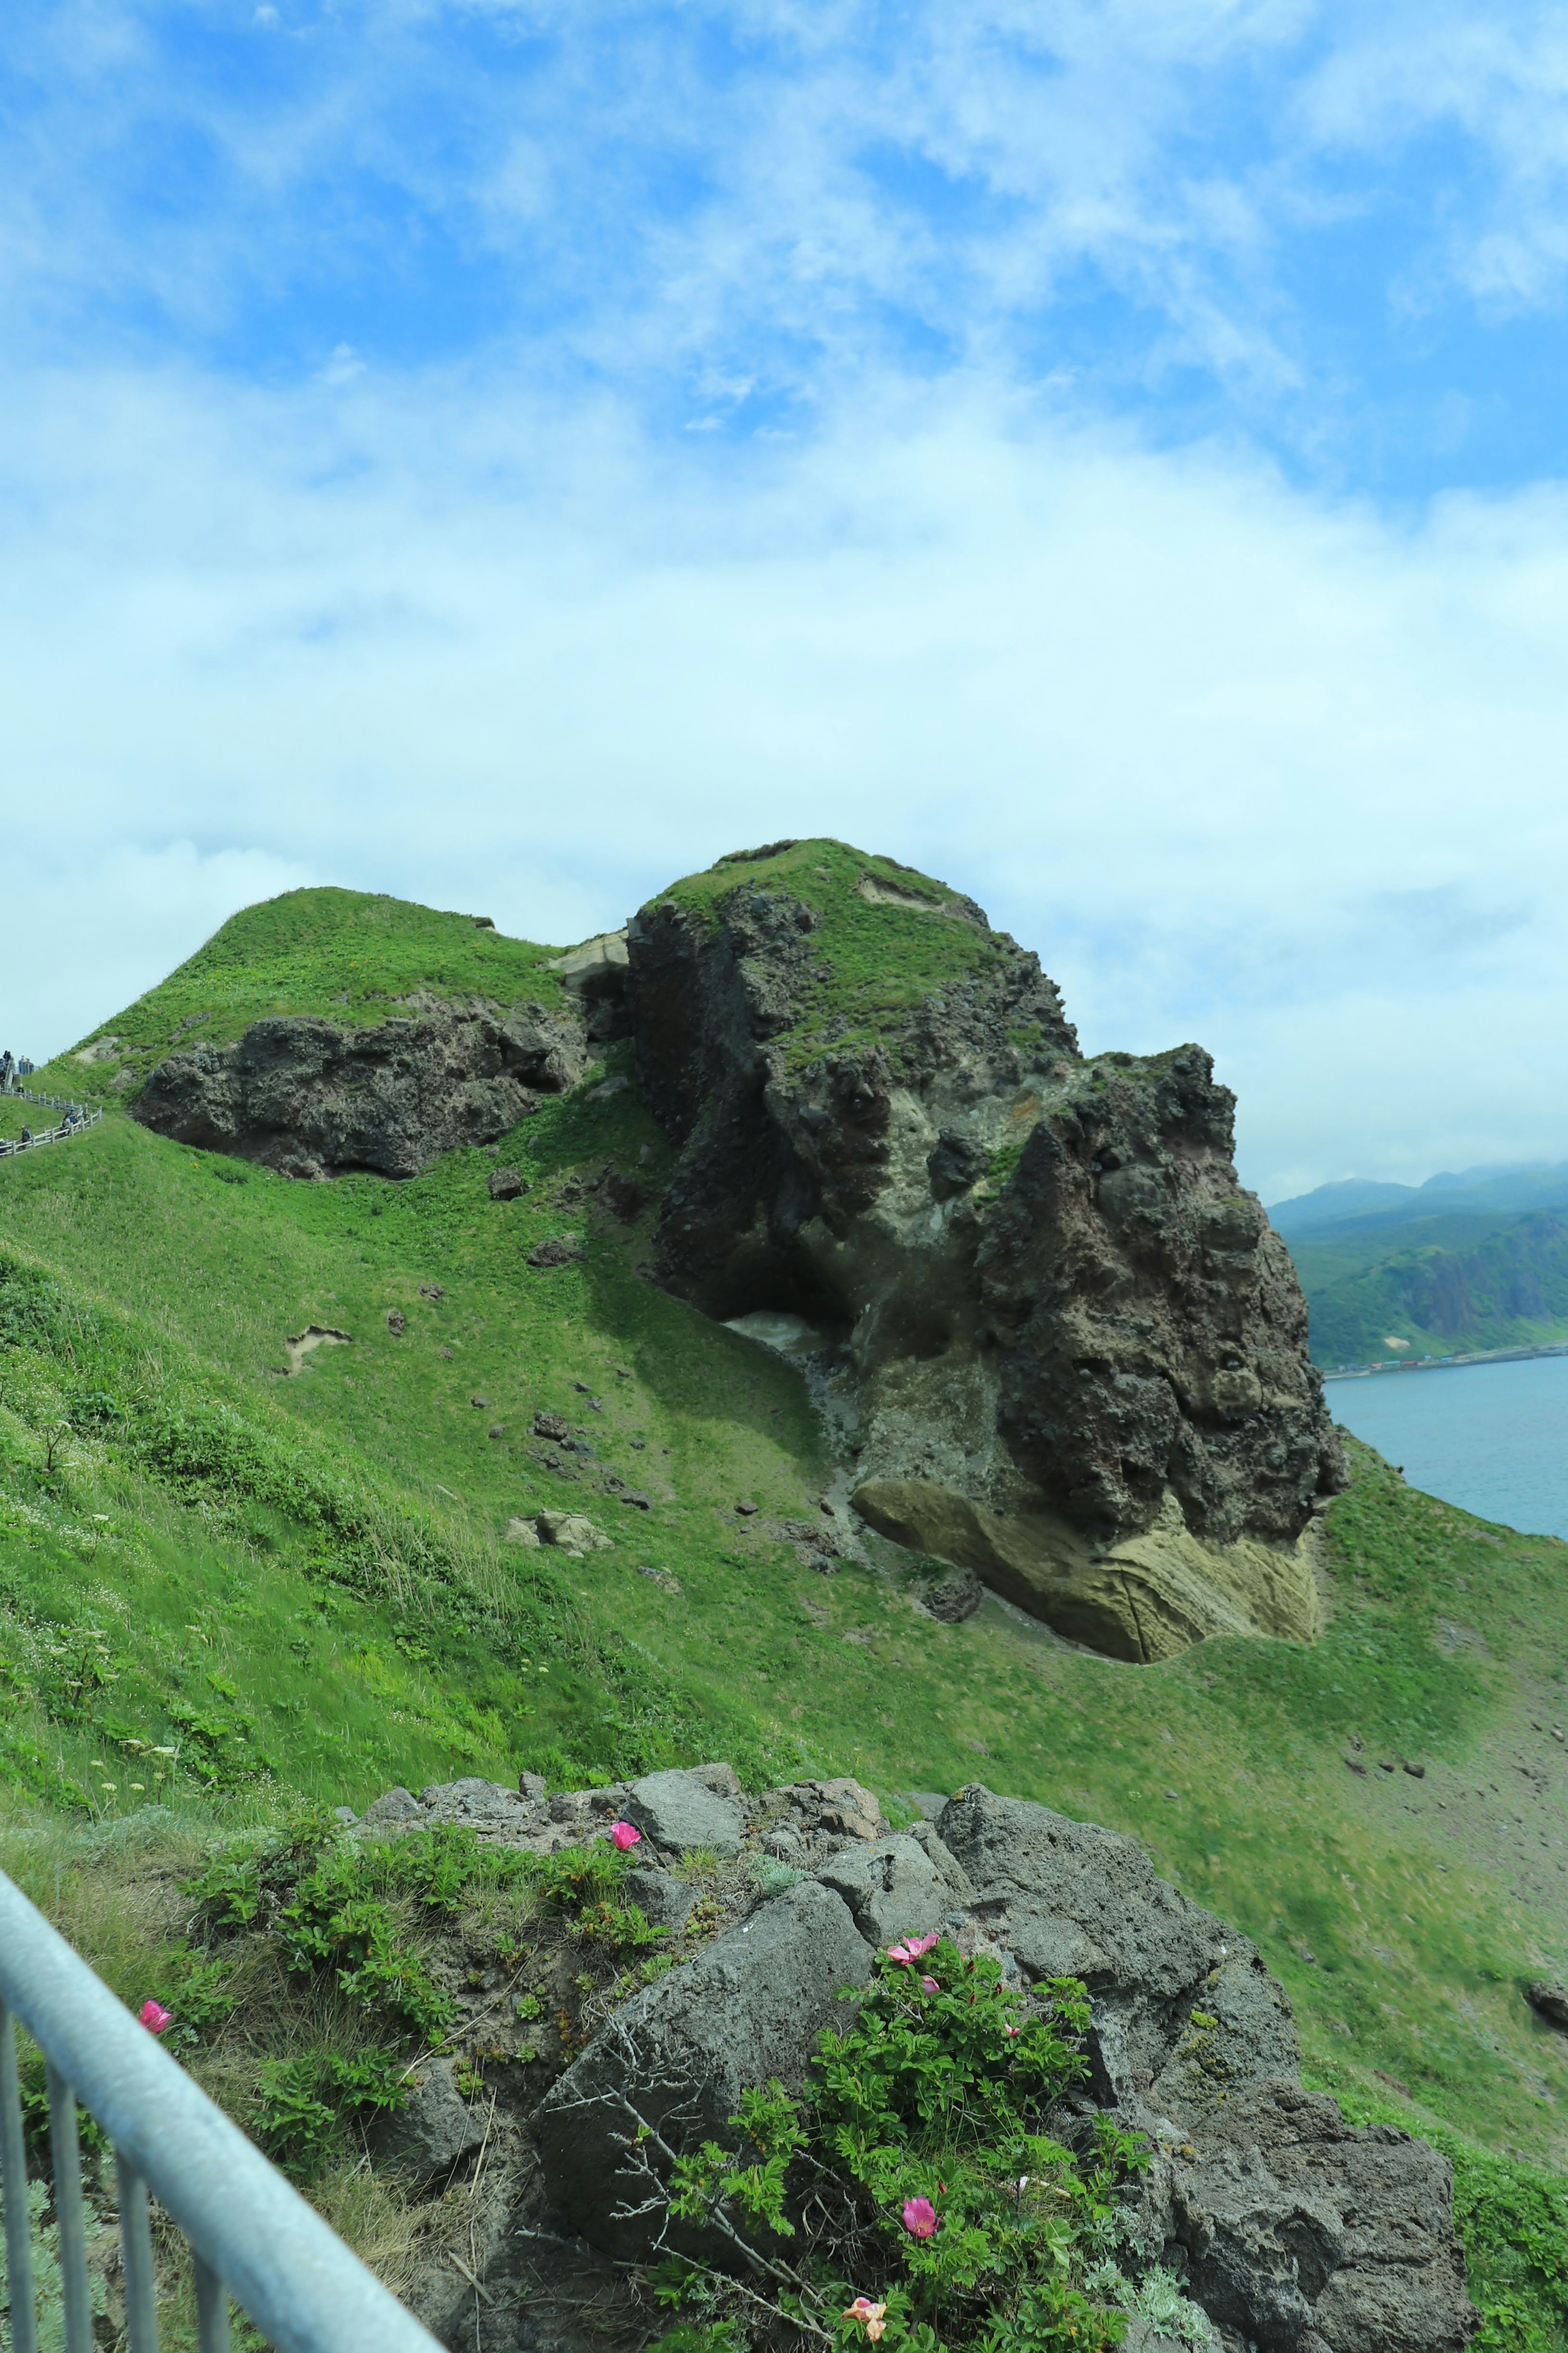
x=1111, y=456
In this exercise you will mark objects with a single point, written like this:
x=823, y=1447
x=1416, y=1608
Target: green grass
x=872, y=965
x=348, y=955
x=296, y=1585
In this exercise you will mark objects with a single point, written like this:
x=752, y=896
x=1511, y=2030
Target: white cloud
x=1241, y=763
x=342, y=367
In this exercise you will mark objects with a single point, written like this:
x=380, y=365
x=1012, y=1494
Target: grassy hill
x=225, y=1587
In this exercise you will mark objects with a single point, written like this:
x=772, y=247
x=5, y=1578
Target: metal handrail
x=254, y=2238
x=51, y=1134
x=56, y=1102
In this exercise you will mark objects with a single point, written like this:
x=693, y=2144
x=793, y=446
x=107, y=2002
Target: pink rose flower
x=919, y=2217
x=918, y=1946
x=871, y=2317
x=929, y=1985
x=625, y=1835
x=154, y=2017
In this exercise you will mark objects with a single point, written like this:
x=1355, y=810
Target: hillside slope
x=1440, y=1285
x=225, y=1584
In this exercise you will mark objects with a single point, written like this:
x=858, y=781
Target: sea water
x=1492, y=1438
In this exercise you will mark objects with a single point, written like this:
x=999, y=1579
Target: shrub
x=931, y=2204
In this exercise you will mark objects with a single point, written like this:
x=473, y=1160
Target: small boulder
x=396, y=1322
x=522, y=1532
x=553, y=1425
x=571, y=1530
x=955, y=1597
x=560, y=1250
x=843, y=1809
x=663, y=1901
x=430, y=2132
x=679, y=1814
x=506, y=1184
x=637, y=1498
x=391, y=1813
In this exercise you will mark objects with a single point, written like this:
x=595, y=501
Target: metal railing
x=253, y=2237
x=80, y=1119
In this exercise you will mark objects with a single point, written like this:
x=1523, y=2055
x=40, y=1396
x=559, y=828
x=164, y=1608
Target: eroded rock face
x=1077, y=1352
x=305, y=1097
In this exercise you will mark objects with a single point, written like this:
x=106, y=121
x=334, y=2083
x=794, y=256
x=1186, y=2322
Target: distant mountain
x=1397, y=1285
x=1507, y=1189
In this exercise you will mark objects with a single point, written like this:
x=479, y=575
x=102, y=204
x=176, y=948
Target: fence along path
x=253, y=2236
x=79, y=1120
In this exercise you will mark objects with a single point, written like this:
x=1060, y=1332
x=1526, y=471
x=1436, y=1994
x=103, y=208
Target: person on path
x=26, y=1135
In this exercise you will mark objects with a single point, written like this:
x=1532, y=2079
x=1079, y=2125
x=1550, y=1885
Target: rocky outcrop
x=595, y=977
x=1075, y=1351
x=312, y=1098
x=1295, y=2231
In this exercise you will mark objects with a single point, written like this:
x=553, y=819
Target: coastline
x=1444, y=1364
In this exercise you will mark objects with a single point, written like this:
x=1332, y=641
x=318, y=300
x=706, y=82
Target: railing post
x=14, y=2194
x=211, y=2309
x=136, y=2254
x=65, y=2146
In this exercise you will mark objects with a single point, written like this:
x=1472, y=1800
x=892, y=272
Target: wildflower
x=154, y=2017
x=913, y=1948
x=1010, y=2030
x=625, y=1835
x=929, y=1985
x=871, y=2317
x=919, y=2217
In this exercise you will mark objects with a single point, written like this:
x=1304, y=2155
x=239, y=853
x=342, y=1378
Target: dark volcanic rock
x=308, y=1098
x=954, y=1598
x=556, y=1250
x=1548, y=2000
x=506, y=1184
x=1295, y=2231
x=1300, y=2230
x=1153, y=1334
x=746, y=2009
x=1076, y=1352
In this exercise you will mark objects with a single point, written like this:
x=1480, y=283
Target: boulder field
x=1293, y=2231
x=1061, y=1346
